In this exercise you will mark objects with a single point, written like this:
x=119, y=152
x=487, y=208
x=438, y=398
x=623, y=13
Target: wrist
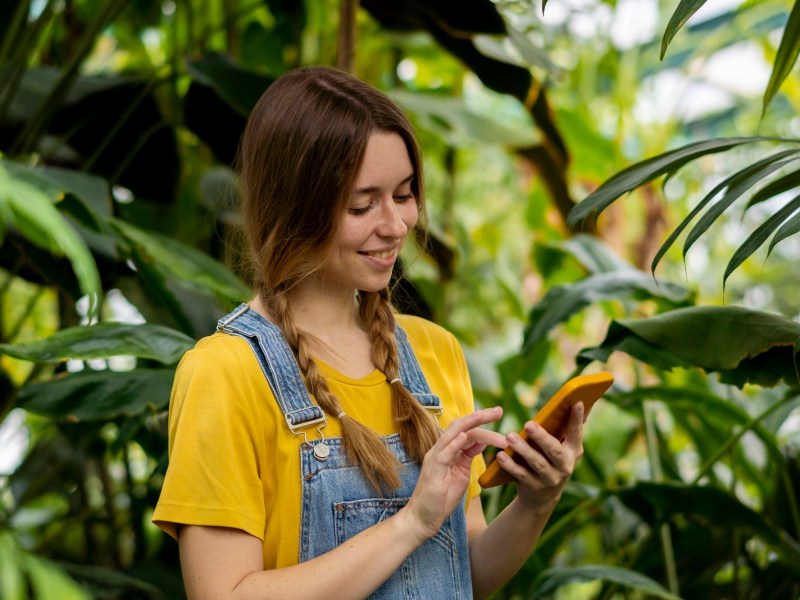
x=412, y=526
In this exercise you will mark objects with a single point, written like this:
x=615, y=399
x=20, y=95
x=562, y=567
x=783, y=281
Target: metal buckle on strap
x=233, y=316
x=321, y=450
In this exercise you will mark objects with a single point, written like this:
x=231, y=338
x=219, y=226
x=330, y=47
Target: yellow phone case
x=554, y=416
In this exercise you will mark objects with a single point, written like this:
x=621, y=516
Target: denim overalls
x=337, y=502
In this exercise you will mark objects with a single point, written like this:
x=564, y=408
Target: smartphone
x=554, y=416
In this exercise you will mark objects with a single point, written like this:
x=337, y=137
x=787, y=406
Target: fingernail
x=513, y=437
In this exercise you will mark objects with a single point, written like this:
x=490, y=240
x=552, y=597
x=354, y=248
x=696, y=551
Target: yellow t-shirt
x=233, y=461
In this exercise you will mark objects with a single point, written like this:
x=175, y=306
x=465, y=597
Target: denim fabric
x=337, y=501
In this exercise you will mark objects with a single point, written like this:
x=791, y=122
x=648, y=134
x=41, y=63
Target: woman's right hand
x=446, y=470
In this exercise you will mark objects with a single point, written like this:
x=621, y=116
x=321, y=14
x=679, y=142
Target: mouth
x=379, y=253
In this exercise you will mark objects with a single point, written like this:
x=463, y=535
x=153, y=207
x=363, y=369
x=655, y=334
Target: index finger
x=471, y=421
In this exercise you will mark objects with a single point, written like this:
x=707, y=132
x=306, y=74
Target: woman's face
x=378, y=217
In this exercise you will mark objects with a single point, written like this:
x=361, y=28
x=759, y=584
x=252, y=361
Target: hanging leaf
x=733, y=194
x=773, y=188
x=632, y=177
x=563, y=301
x=105, y=340
x=450, y=118
x=552, y=579
x=791, y=227
x=685, y=9
x=744, y=179
x=759, y=236
x=715, y=508
x=32, y=213
x=192, y=267
x=594, y=255
x=710, y=408
x=742, y=345
x=785, y=59
x=99, y=395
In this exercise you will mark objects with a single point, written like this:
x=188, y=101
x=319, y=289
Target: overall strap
x=279, y=365
x=411, y=374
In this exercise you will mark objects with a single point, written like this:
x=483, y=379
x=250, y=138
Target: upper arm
x=476, y=521
x=214, y=560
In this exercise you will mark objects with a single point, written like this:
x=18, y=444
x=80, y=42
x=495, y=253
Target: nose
x=392, y=224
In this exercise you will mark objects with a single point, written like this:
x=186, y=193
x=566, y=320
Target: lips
x=379, y=253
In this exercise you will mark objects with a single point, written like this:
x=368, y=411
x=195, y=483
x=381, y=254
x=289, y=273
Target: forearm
x=499, y=550
x=219, y=565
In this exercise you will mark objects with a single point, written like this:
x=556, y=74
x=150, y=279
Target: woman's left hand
x=541, y=481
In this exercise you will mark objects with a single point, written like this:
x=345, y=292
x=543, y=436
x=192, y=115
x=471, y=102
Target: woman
x=307, y=457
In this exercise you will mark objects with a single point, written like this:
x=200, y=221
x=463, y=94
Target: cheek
x=410, y=214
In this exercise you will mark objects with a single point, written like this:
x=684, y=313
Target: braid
x=363, y=446
x=418, y=429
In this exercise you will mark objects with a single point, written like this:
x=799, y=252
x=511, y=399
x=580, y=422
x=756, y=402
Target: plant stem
x=655, y=467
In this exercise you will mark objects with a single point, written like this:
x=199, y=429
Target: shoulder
x=423, y=332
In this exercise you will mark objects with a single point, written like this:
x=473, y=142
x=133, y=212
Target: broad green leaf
x=746, y=174
x=49, y=582
x=786, y=57
x=713, y=410
x=556, y=577
x=194, y=268
x=239, y=87
x=773, y=188
x=759, y=236
x=647, y=170
x=594, y=255
x=563, y=301
x=105, y=340
x=450, y=118
x=744, y=346
x=99, y=395
x=658, y=502
x=40, y=222
x=12, y=583
x=730, y=196
x=498, y=49
x=685, y=10
x=791, y=227
x=57, y=182
x=532, y=55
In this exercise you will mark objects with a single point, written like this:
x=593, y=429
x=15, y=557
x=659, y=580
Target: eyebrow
x=373, y=189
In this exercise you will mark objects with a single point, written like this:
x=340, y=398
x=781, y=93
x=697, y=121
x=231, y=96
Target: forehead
x=386, y=161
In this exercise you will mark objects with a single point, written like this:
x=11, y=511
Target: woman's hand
x=541, y=482
x=446, y=469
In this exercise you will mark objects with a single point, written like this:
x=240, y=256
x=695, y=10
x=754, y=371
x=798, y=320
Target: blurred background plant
x=119, y=121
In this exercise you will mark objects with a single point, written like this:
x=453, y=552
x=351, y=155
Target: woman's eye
x=361, y=210
x=403, y=197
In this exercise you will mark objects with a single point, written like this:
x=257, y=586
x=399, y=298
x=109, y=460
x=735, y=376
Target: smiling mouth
x=380, y=254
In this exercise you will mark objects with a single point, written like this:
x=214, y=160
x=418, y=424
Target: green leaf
x=746, y=174
x=744, y=346
x=36, y=218
x=593, y=254
x=12, y=583
x=791, y=227
x=759, y=236
x=532, y=55
x=717, y=412
x=685, y=9
x=192, y=267
x=715, y=508
x=238, y=87
x=786, y=57
x=451, y=119
x=773, y=188
x=563, y=301
x=49, y=582
x=554, y=578
x=733, y=194
x=99, y=395
x=647, y=170
x=105, y=340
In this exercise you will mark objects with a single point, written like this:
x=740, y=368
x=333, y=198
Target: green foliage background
x=120, y=246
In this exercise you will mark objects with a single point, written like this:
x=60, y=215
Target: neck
x=321, y=312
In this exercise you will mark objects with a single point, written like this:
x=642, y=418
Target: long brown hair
x=299, y=160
